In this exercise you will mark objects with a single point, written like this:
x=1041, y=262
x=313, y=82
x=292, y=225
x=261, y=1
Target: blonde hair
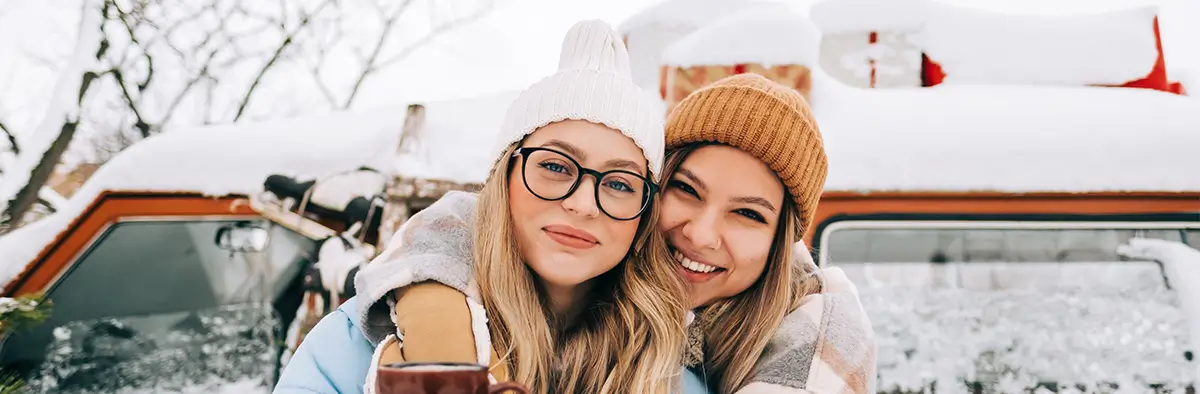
x=630, y=335
x=737, y=329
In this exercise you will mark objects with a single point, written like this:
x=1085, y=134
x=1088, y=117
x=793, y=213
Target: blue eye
x=554, y=167
x=619, y=185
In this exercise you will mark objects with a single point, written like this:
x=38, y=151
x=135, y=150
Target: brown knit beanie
x=765, y=119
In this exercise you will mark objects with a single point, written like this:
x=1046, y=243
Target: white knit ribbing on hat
x=593, y=83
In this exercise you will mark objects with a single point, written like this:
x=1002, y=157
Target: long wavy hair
x=628, y=339
x=737, y=329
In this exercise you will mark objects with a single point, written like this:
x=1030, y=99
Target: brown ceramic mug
x=439, y=378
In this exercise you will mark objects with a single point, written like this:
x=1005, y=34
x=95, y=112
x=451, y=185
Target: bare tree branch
x=118, y=75
x=166, y=34
x=140, y=123
x=369, y=64
x=12, y=140
x=433, y=34
x=256, y=15
x=324, y=88
x=318, y=65
x=283, y=46
x=125, y=17
x=188, y=88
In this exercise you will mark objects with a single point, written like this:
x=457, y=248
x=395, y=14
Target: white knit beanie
x=593, y=83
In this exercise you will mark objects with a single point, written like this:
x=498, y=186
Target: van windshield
x=151, y=300
x=981, y=306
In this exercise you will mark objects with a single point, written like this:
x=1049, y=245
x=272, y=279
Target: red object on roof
x=932, y=73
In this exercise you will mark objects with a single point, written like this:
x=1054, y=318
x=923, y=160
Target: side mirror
x=242, y=237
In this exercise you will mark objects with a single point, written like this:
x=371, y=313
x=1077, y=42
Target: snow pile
x=976, y=46
x=1007, y=138
x=222, y=160
x=1181, y=264
x=651, y=31
x=1016, y=339
x=455, y=143
x=862, y=16
x=227, y=349
x=766, y=36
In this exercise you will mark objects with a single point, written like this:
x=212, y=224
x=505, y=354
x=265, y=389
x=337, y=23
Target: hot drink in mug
x=439, y=378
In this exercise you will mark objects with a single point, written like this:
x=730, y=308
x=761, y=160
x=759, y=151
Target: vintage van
x=166, y=270
x=189, y=262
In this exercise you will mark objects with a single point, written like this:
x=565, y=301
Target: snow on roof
x=1008, y=138
x=1179, y=25
x=1108, y=48
x=767, y=36
x=853, y=16
x=649, y=32
x=221, y=160
x=685, y=13
x=455, y=143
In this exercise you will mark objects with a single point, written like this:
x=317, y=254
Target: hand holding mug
x=440, y=378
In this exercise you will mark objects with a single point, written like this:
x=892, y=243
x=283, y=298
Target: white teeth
x=692, y=265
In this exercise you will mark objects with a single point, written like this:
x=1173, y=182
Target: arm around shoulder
x=334, y=358
x=434, y=245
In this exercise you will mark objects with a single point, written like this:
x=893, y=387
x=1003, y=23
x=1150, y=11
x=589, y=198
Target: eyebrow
x=756, y=201
x=696, y=182
x=699, y=184
x=580, y=155
x=571, y=149
x=625, y=164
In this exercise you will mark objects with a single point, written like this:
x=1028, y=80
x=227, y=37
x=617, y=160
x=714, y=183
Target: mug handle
x=507, y=386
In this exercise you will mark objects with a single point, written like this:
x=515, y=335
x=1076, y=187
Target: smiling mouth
x=695, y=266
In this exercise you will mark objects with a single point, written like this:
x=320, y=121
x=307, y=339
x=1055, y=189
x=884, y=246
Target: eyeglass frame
x=650, y=186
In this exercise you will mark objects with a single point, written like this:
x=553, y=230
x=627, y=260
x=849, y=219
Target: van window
x=896, y=243
x=975, y=306
x=151, y=296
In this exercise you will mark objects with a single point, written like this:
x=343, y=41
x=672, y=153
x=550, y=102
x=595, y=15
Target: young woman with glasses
x=577, y=289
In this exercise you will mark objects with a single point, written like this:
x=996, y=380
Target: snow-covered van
x=986, y=173
x=225, y=243
x=982, y=226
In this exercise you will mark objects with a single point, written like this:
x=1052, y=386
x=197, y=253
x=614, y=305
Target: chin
x=558, y=276
x=564, y=279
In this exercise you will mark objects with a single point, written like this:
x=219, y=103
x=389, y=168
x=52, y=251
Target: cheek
x=622, y=235
x=750, y=252
x=672, y=214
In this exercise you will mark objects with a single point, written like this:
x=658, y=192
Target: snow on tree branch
x=150, y=66
x=12, y=139
x=21, y=184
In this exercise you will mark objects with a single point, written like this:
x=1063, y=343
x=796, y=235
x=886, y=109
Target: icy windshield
x=159, y=305
x=1014, y=306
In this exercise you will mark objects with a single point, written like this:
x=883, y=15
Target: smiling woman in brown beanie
x=745, y=167
x=744, y=172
